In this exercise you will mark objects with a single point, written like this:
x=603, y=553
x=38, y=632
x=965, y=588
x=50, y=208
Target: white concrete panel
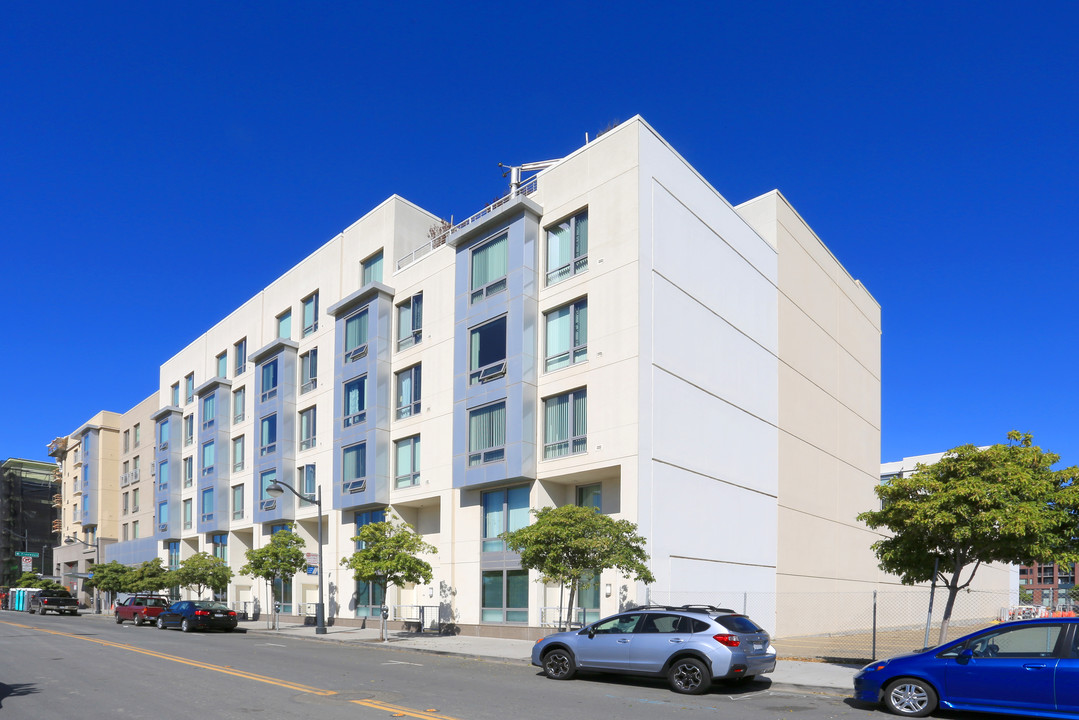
x=707, y=435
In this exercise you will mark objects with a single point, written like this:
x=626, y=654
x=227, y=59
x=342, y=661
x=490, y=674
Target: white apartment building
x=611, y=333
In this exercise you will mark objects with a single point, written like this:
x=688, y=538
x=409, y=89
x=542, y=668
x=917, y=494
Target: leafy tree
x=568, y=543
x=282, y=557
x=1026, y=597
x=111, y=577
x=203, y=571
x=33, y=580
x=388, y=556
x=151, y=576
x=1004, y=503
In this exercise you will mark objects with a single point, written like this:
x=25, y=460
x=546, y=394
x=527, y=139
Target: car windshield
x=55, y=593
x=209, y=605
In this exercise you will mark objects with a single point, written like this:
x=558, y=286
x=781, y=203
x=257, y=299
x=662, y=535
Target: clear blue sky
x=160, y=163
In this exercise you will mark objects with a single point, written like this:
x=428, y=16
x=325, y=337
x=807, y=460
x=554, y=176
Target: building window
x=208, y=458
x=487, y=351
x=410, y=322
x=187, y=514
x=1066, y=573
x=309, y=371
x=354, y=468
x=369, y=597
x=355, y=403
x=237, y=502
x=565, y=424
x=137, y=431
x=135, y=500
x=268, y=435
x=223, y=365
x=127, y=505
x=189, y=388
x=175, y=396
x=219, y=542
x=408, y=392
x=124, y=533
x=503, y=510
x=127, y=440
x=189, y=471
x=163, y=435
x=207, y=505
x=136, y=468
x=284, y=325
x=505, y=596
x=189, y=429
x=163, y=517
x=590, y=496
x=305, y=483
x=239, y=400
x=163, y=475
x=174, y=554
x=269, y=380
x=209, y=411
x=310, y=314
x=567, y=248
x=307, y=429
x=238, y=454
x=567, y=335
x=1046, y=574
x=356, y=336
x=266, y=479
x=489, y=268
x=372, y=269
x=134, y=529
x=408, y=462
x=487, y=434
x=240, y=357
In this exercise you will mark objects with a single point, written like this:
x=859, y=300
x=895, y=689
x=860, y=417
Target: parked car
x=58, y=600
x=191, y=615
x=140, y=609
x=691, y=646
x=1028, y=667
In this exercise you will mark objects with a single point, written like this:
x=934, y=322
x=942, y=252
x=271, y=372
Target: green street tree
x=112, y=577
x=33, y=580
x=1001, y=504
x=570, y=543
x=387, y=556
x=282, y=557
x=202, y=572
x=1026, y=597
x=151, y=576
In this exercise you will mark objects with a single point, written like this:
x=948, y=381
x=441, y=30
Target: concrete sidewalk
x=804, y=676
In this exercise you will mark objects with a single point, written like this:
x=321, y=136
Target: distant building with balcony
x=612, y=333
x=27, y=510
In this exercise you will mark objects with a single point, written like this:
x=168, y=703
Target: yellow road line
x=193, y=663
x=399, y=710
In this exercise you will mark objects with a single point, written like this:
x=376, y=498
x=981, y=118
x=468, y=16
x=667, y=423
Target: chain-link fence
x=854, y=626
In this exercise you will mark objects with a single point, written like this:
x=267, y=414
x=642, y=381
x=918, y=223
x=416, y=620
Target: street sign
x=27, y=564
x=22, y=553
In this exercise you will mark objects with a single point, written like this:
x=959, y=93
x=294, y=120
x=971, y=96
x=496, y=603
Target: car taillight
x=728, y=640
x=201, y=613
x=232, y=613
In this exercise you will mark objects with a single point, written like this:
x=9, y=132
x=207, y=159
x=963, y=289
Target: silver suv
x=691, y=646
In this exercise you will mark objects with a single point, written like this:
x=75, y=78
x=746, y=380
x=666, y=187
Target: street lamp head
x=275, y=490
x=69, y=540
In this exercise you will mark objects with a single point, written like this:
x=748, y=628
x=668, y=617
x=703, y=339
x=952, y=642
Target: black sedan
x=189, y=615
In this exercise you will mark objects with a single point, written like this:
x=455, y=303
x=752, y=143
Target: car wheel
x=910, y=697
x=186, y=626
x=118, y=620
x=137, y=619
x=31, y=610
x=558, y=664
x=161, y=623
x=689, y=676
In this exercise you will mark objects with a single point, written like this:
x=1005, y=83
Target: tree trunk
x=953, y=591
x=569, y=608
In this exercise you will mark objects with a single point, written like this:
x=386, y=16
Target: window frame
x=490, y=370
x=359, y=482
x=359, y=349
x=414, y=334
x=576, y=443
x=412, y=477
x=576, y=347
x=239, y=365
x=484, y=455
x=309, y=303
x=267, y=448
x=478, y=293
x=578, y=262
x=306, y=419
x=411, y=408
x=309, y=371
x=350, y=419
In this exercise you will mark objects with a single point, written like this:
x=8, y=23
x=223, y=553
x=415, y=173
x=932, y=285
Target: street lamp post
x=276, y=490
x=96, y=545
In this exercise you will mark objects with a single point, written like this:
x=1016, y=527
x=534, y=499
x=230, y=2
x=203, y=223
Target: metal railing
x=561, y=617
x=428, y=617
x=527, y=188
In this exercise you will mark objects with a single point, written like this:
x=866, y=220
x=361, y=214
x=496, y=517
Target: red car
x=141, y=609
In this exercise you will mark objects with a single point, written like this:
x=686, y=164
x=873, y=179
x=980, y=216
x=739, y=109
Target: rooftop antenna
x=514, y=172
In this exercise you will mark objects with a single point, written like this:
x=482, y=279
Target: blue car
x=1030, y=667
x=191, y=615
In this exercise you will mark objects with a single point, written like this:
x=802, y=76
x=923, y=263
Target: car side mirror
x=591, y=633
x=964, y=656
